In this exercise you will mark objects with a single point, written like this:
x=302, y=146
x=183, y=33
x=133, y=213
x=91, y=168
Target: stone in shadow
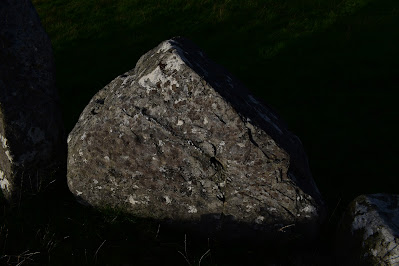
x=32, y=136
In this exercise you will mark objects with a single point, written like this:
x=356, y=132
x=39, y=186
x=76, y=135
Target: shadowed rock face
x=369, y=231
x=31, y=130
x=179, y=138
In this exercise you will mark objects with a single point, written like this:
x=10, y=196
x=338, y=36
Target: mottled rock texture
x=31, y=129
x=369, y=231
x=179, y=138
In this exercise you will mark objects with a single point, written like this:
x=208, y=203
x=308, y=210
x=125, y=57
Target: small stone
x=368, y=233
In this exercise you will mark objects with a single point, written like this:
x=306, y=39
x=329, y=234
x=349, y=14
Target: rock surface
x=31, y=129
x=369, y=231
x=179, y=138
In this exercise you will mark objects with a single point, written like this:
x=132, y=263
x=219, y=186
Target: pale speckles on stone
x=69, y=138
x=180, y=122
x=164, y=47
x=3, y=141
x=126, y=121
x=150, y=80
x=78, y=193
x=85, y=160
x=147, y=199
x=106, y=158
x=95, y=181
x=82, y=137
x=249, y=208
x=132, y=200
x=126, y=80
x=308, y=210
x=192, y=209
x=80, y=152
x=9, y=156
x=195, y=130
x=205, y=121
x=4, y=184
x=241, y=145
x=189, y=187
x=167, y=200
x=179, y=100
x=174, y=62
x=271, y=209
x=160, y=143
x=259, y=219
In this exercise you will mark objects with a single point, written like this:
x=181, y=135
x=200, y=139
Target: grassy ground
x=330, y=68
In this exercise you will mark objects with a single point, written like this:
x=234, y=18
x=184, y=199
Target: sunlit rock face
x=369, y=231
x=179, y=138
x=32, y=137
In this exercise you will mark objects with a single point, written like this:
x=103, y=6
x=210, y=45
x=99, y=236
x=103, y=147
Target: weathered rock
x=31, y=129
x=369, y=231
x=179, y=138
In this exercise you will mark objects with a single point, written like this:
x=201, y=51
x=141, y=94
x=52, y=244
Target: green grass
x=330, y=68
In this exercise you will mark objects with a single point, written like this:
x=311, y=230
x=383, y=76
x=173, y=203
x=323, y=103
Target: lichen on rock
x=369, y=231
x=179, y=138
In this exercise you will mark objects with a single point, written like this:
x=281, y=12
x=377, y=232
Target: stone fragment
x=179, y=138
x=369, y=231
x=31, y=130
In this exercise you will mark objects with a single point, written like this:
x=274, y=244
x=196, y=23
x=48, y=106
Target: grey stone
x=179, y=138
x=369, y=231
x=31, y=130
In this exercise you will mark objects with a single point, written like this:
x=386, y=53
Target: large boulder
x=31, y=130
x=368, y=233
x=179, y=138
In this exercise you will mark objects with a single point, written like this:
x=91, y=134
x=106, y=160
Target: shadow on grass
x=51, y=228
